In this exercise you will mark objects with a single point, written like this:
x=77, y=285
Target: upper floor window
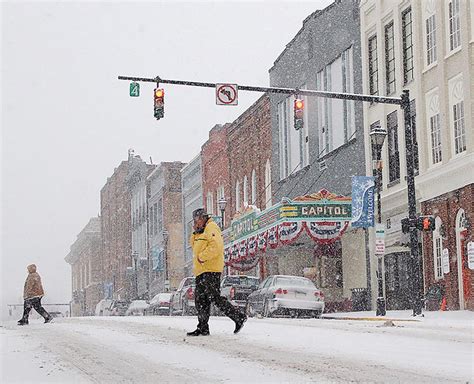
x=390, y=59
x=237, y=196
x=431, y=55
x=434, y=125
x=246, y=191
x=335, y=118
x=254, y=188
x=393, y=153
x=373, y=66
x=407, y=37
x=210, y=203
x=456, y=102
x=268, y=185
x=454, y=24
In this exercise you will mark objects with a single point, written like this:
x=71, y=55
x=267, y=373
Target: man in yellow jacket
x=208, y=263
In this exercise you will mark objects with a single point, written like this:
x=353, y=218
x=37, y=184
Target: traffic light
x=159, y=103
x=299, y=113
x=426, y=223
x=405, y=225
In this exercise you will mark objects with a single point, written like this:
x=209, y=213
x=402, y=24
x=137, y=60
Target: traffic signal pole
x=415, y=286
x=403, y=102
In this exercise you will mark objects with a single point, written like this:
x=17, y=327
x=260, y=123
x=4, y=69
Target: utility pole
x=415, y=283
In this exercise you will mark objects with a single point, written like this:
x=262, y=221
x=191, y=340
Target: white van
x=103, y=307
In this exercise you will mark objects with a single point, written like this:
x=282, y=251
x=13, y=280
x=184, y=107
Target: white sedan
x=137, y=308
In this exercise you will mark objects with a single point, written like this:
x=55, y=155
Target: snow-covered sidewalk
x=436, y=349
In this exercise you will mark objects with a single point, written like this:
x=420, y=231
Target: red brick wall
x=116, y=229
x=250, y=138
x=215, y=166
x=447, y=207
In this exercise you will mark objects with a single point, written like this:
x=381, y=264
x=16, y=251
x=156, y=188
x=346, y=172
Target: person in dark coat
x=208, y=263
x=32, y=294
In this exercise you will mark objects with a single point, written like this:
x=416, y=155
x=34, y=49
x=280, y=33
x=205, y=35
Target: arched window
x=254, y=188
x=246, y=191
x=268, y=185
x=438, y=250
x=210, y=203
x=237, y=196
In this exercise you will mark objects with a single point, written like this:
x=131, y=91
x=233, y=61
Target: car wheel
x=266, y=310
x=317, y=314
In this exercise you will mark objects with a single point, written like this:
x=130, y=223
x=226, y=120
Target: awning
x=323, y=216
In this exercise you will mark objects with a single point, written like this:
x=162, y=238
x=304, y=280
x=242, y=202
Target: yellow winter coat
x=208, y=249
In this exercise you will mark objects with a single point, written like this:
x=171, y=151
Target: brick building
x=116, y=223
x=138, y=189
x=249, y=146
x=85, y=260
x=165, y=227
x=215, y=171
x=445, y=250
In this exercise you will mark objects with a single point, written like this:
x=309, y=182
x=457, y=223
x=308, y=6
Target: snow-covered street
x=438, y=348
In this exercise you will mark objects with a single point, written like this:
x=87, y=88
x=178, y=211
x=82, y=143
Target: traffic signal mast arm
x=288, y=91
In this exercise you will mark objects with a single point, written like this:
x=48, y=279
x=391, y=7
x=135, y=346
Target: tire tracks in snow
x=308, y=366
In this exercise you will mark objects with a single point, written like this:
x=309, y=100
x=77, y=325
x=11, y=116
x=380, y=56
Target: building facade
x=138, y=189
x=249, y=144
x=439, y=80
x=85, y=260
x=327, y=151
x=215, y=171
x=191, y=185
x=115, y=213
x=165, y=227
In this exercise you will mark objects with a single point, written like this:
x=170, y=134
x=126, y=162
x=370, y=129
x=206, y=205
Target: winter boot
x=23, y=322
x=198, y=332
x=240, y=323
x=48, y=319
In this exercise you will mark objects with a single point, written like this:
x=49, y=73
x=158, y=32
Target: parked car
x=238, y=288
x=182, y=300
x=286, y=295
x=137, y=308
x=118, y=308
x=160, y=304
x=103, y=307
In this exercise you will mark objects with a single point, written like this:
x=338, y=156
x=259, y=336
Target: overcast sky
x=67, y=121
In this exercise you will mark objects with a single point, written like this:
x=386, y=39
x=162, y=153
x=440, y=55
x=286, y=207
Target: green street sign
x=134, y=89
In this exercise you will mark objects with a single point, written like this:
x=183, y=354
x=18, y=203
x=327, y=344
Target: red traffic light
x=159, y=96
x=299, y=104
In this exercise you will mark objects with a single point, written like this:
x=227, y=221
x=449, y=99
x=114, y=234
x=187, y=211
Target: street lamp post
x=165, y=246
x=222, y=205
x=377, y=138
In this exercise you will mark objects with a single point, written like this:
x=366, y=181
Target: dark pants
x=35, y=303
x=208, y=291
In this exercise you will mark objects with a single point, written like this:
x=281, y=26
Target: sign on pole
x=363, y=201
x=227, y=94
x=445, y=261
x=379, y=240
x=134, y=89
x=470, y=254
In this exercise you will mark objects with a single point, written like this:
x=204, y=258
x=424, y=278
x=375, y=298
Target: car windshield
x=242, y=280
x=294, y=282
